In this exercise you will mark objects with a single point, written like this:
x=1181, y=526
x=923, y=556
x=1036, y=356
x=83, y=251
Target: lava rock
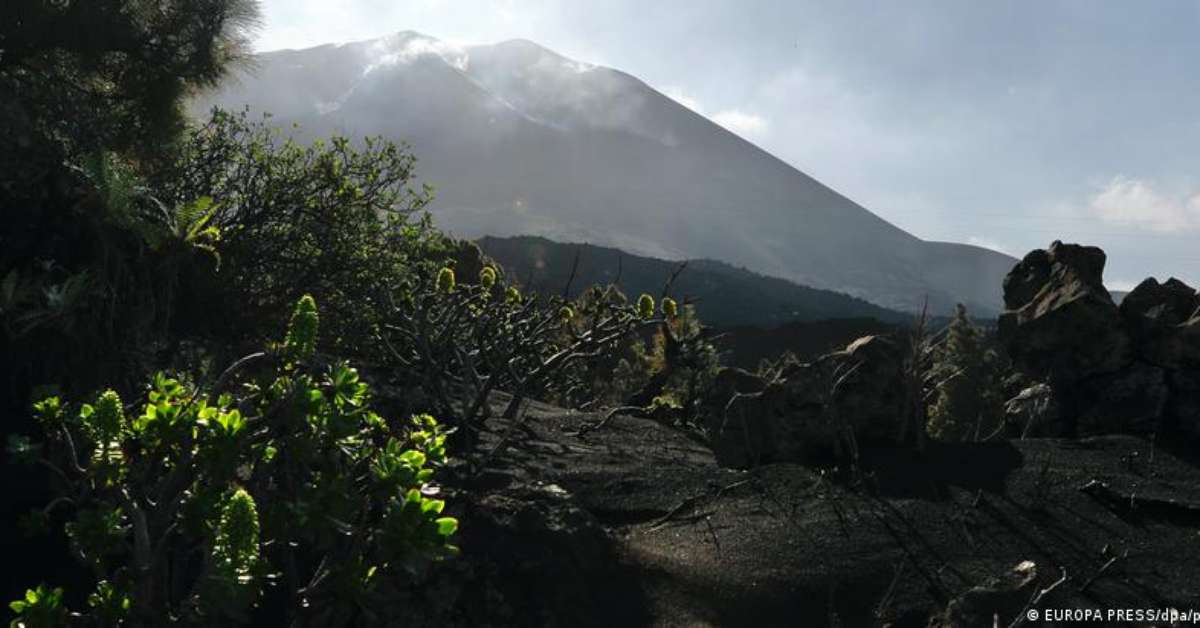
x=1061, y=323
x=1131, y=401
x=807, y=412
x=1162, y=319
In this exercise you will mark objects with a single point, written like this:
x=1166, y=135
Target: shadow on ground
x=635, y=524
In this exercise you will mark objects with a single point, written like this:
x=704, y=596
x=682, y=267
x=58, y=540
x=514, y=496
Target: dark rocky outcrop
x=1060, y=323
x=1164, y=319
x=810, y=411
x=1133, y=368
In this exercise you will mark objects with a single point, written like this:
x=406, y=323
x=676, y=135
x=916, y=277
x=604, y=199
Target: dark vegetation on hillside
x=724, y=295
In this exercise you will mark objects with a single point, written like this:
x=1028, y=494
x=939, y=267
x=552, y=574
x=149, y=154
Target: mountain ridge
x=520, y=140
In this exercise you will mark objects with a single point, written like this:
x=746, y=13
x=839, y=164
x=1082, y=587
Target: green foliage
x=301, y=339
x=334, y=219
x=683, y=362
x=512, y=295
x=462, y=345
x=41, y=608
x=487, y=277
x=109, y=606
x=645, y=306
x=225, y=492
x=90, y=283
x=445, y=280
x=143, y=241
x=969, y=402
x=91, y=255
x=669, y=307
x=111, y=73
x=233, y=558
x=622, y=367
x=664, y=408
x=207, y=249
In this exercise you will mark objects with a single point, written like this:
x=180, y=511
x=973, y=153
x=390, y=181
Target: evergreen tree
x=112, y=74
x=968, y=405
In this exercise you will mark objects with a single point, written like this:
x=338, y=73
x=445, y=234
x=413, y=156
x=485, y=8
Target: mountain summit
x=519, y=140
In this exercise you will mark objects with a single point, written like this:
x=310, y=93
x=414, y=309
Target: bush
x=184, y=511
x=612, y=375
x=682, y=364
x=969, y=403
x=333, y=219
x=91, y=284
x=457, y=343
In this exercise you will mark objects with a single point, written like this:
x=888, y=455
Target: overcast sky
x=1005, y=124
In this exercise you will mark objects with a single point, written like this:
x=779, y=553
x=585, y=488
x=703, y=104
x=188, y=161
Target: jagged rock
x=1131, y=401
x=873, y=397
x=1111, y=369
x=1159, y=317
x=1152, y=304
x=996, y=602
x=1174, y=347
x=1035, y=412
x=797, y=418
x=1060, y=322
x=753, y=421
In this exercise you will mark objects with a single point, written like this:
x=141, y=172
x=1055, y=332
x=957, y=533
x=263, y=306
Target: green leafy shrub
x=90, y=285
x=336, y=219
x=185, y=510
x=682, y=363
x=40, y=608
x=610, y=376
x=301, y=339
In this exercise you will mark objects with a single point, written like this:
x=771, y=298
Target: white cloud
x=741, y=122
x=405, y=48
x=1135, y=203
x=677, y=94
x=991, y=244
x=1121, y=285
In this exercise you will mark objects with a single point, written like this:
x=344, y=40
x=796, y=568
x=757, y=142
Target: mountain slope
x=520, y=140
x=725, y=296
